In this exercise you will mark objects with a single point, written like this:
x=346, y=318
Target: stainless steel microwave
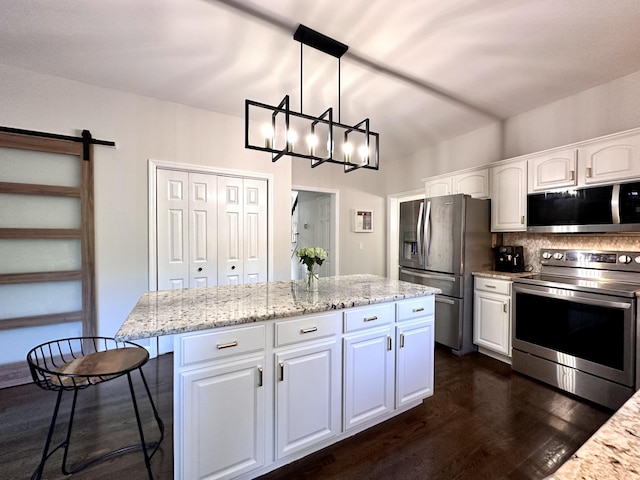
x=606, y=208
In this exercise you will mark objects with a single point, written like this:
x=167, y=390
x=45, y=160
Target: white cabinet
x=609, y=160
x=509, y=197
x=438, y=187
x=307, y=396
x=470, y=182
x=308, y=382
x=414, y=364
x=414, y=350
x=369, y=364
x=474, y=183
x=492, y=316
x=553, y=170
x=219, y=419
x=248, y=399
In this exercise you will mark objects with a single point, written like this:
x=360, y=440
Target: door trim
x=336, y=209
x=393, y=227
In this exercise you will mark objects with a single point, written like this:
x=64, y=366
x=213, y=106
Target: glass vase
x=311, y=283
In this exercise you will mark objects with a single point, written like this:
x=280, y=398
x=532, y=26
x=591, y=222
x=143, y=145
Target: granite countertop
x=501, y=275
x=168, y=312
x=612, y=452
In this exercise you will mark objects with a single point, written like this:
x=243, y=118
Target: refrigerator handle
x=419, y=232
x=427, y=233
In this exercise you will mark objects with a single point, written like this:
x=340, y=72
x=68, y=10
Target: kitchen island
x=267, y=373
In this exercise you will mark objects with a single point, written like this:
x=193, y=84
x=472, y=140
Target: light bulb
x=267, y=133
x=292, y=137
x=363, y=151
x=312, y=141
x=347, y=149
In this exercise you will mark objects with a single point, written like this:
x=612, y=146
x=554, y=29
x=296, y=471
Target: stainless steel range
x=575, y=325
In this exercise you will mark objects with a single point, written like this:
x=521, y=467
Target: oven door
x=590, y=332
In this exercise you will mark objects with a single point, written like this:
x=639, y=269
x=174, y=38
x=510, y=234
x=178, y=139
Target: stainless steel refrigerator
x=443, y=240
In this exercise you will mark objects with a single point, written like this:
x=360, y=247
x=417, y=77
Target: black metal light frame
x=334, y=48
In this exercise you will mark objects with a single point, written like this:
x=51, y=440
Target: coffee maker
x=509, y=258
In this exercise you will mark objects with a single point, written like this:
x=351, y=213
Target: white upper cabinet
x=552, y=170
x=474, y=183
x=509, y=197
x=609, y=160
x=438, y=187
x=470, y=182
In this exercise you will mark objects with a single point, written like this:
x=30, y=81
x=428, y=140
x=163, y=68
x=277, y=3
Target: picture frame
x=363, y=221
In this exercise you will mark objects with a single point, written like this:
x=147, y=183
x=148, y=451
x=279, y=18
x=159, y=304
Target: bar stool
x=73, y=364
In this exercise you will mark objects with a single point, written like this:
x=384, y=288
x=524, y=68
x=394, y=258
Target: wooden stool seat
x=99, y=367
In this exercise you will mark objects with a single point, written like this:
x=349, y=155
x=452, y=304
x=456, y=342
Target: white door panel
x=203, y=230
x=255, y=231
x=172, y=203
x=230, y=231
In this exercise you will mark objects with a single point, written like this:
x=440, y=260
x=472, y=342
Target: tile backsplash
x=534, y=242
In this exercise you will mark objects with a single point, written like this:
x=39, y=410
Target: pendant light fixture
x=320, y=139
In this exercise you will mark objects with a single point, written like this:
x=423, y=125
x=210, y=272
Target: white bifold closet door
x=211, y=230
x=242, y=230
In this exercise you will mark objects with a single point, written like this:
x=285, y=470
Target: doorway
x=314, y=214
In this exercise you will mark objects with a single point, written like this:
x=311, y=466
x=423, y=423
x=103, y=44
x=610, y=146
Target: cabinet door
x=221, y=431
x=308, y=393
x=368, y=376
x=552, y=170
x=474, y=183
x=438, y=188
x=509, y=197
x=610, y=160
x=491, y=322
x=415, y=363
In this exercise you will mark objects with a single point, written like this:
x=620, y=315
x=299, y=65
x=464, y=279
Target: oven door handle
x=588, y=301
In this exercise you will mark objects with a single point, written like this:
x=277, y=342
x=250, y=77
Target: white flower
x=311, y=256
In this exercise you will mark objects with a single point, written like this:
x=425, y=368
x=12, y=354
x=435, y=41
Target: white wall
x=601, y=110
x=143, y=128
x=361, y=189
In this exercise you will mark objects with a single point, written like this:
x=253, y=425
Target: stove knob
x=637, y=259
x=546, y=255
x=624, y=259
x=558, y=256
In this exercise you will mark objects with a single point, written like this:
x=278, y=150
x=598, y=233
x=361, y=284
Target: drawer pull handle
x=589, y=172
x=490, y=286
x=504, y=307
x=402, y=340
x=389, y=346
x=227, y=345
x=309, y=330
x=260, y=372
x=281, y=365
x=370, y=319
x=416, y=310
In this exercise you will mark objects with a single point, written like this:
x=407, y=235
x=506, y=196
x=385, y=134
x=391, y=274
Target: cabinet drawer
x=306, y=328
x=368, y=317
x=418, y=307
x=492, y=285
x=202, y=347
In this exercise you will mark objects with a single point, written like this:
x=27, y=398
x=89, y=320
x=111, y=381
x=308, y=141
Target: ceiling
x=422, y=70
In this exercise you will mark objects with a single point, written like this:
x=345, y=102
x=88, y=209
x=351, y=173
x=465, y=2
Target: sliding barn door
x=47, y=288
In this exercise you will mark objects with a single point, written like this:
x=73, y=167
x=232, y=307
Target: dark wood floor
x=484, y=422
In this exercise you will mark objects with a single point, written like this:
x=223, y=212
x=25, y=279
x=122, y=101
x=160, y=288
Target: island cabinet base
x=254, y=397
